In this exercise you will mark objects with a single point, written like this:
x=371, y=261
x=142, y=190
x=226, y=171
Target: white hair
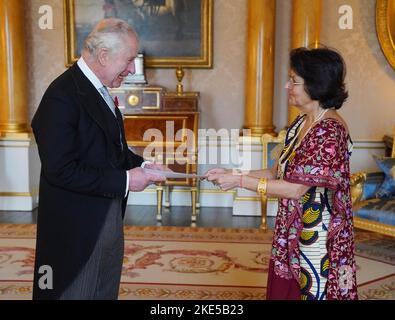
x=108, y=33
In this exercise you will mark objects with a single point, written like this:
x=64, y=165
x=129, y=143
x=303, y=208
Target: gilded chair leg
x=167, y=199
x=159, y=196
x=198, y=195
x=193, y=200
x=263, y=225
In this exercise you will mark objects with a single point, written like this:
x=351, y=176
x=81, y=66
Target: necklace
x=320, y=115
x=316, y=119
x=298, y=138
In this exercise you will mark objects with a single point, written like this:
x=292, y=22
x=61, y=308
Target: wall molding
x=19, y=187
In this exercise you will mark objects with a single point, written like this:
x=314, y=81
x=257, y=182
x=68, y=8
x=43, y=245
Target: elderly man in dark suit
x=87, y=171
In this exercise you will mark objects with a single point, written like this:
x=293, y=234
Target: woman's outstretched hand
x=216, y=171
x=213, y=171
x=224, y=178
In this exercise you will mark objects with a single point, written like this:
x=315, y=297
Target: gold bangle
x=262, y=186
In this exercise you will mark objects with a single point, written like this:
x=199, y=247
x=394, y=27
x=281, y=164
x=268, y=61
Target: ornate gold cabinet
x=163, y=126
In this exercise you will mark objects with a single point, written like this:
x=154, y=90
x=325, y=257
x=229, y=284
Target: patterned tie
x=107, y=97
x=111, y=104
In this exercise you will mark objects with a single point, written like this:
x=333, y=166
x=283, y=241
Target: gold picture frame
x=167, y=43
x=385, y=27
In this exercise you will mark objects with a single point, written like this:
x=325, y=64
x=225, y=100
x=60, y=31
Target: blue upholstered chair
x=373, y=197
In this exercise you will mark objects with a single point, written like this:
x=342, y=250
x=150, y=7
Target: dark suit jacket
x=83, y=168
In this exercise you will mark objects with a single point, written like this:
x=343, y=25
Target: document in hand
x=172, y=174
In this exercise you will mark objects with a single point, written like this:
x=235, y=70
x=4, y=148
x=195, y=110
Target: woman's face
x=297, y=96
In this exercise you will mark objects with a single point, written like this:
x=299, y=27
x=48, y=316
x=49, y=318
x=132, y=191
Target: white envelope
x=172, y=174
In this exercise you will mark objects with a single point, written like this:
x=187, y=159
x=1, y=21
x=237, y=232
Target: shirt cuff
x=127, y=183
x=144, y=163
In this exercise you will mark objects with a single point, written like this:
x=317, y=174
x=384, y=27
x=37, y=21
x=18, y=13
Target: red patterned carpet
x=193, y=263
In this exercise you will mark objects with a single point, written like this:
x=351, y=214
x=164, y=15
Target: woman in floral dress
x=312, y=257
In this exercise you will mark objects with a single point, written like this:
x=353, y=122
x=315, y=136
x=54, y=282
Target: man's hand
x=139, y=179
x=157, y=166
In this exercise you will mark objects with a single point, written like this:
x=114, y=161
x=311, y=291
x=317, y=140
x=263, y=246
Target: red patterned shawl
x=322, y=160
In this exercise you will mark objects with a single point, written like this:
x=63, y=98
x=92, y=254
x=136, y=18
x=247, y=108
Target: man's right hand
x=139, y=179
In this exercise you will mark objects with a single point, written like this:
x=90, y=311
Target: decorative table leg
x=159, y=196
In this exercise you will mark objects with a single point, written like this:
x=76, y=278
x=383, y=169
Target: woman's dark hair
x=323, y=71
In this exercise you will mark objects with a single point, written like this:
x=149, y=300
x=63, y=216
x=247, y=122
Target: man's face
x=120, y=63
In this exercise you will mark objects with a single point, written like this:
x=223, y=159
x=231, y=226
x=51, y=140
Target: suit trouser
x=100, y=277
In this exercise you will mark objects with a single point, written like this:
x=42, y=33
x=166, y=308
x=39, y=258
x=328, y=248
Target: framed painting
x=271, y=148
x=172, y=33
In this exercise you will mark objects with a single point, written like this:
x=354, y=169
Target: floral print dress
x=313, y=246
